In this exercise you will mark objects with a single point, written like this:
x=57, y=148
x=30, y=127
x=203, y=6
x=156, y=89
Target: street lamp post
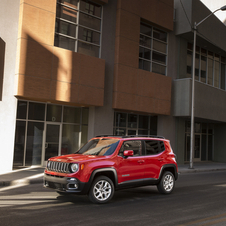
x=193, y=85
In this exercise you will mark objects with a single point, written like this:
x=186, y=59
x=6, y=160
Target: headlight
x=48, y=165
x=74, y=167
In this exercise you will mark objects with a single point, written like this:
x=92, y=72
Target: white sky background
x=216, y=4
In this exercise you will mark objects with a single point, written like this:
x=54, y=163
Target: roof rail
x=128, y=136
x=151, y=136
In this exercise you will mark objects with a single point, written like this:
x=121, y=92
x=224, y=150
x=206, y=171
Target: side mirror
x=128, y=153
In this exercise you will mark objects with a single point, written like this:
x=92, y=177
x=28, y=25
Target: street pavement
x=34, y=175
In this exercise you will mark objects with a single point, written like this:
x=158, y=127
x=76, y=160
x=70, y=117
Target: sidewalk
x=34, y=175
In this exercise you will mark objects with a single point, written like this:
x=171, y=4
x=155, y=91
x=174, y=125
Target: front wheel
x=166, y=184
x=102, y=190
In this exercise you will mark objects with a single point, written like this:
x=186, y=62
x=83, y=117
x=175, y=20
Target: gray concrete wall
x=101, y=118
x=209, y=101
x=9, y=16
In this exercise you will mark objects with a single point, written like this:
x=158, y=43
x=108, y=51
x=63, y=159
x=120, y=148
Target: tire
x=102, y=190
x=167, y=183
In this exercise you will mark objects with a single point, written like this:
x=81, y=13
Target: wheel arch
x=108, y=172
x=171, y=168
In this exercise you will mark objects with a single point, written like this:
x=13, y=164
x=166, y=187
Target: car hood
x=75, y=158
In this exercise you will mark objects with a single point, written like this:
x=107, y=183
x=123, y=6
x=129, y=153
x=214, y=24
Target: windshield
x=99, y=147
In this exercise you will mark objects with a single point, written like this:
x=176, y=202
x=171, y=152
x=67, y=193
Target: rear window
x=154, y=147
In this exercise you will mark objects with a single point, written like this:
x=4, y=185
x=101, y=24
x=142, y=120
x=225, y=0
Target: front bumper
x=65, y=184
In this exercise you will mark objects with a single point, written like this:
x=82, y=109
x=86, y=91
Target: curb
x=21, y=182
x=199, y=170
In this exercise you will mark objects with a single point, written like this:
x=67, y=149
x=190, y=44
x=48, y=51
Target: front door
x=52, y=142
x=131, y=168
x=197, y=148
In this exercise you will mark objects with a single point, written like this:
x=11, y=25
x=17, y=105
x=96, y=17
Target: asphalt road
x=198, y=199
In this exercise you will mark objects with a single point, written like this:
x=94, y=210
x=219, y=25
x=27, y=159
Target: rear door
x=131, y=168
x=154, y=158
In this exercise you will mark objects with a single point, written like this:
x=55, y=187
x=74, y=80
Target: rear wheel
x=102, y=190
x=166, y=184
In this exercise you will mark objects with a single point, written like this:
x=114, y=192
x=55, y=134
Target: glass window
x=133, y=124
x=203, y=69
x=90, y=8
x=153, y=49
x=70, y=139
x=154, y=147
x=153, y=125
x=143, y=122
x=78, y=20
x=19, y=143
x=54, y=113
x=34, y=143
x=223, y=72
x=132, y=121
x=189, y=64
x=72, y=115
x=85, y=115
x=210, y=71
x=134, y=145
x=22, y=110
x=36, y=111
x=160, y=35
x=120, y=119
x=216, y=73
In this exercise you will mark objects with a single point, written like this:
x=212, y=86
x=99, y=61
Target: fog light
x=76, y=186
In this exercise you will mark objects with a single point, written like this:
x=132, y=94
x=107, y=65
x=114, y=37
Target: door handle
x=140, y=161
x=160, y=159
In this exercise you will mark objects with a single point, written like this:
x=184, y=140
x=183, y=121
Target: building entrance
x=197, y=148
x=52, y=142
x=45, y=130
x=203, y=142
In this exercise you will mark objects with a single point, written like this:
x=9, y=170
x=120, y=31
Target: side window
x=134, y=145
x=154, y=147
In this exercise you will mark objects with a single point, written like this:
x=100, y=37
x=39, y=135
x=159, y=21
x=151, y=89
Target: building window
x=134, y=124
x=210, y=68
x=153, y=49
x=46, y=130
x=78, y=26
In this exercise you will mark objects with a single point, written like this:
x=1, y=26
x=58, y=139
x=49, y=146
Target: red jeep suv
x=109, y=163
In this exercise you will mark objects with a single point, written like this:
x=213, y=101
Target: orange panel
x=91, y=71
x=90, y=96
x=35, y=59
x=127, y=52
x=33, y=87
x=38, y=23
x=128, y=25
x=65, y=65
x=125, y=79
x=49, y=5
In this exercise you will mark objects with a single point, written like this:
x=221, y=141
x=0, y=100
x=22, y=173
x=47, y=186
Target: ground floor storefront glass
x=45, y=130
x=134, y=124
x=203, y=139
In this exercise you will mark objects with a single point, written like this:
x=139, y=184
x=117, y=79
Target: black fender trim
x=169, y=166
x=102, y=170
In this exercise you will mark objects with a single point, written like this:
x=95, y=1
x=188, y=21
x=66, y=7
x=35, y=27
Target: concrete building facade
x=74, y=69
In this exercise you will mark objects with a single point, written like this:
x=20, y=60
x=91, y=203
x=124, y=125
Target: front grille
x=61, y=167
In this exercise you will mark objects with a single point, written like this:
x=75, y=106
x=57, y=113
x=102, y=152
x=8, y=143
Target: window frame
x=76, y=39
x=152, y=51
